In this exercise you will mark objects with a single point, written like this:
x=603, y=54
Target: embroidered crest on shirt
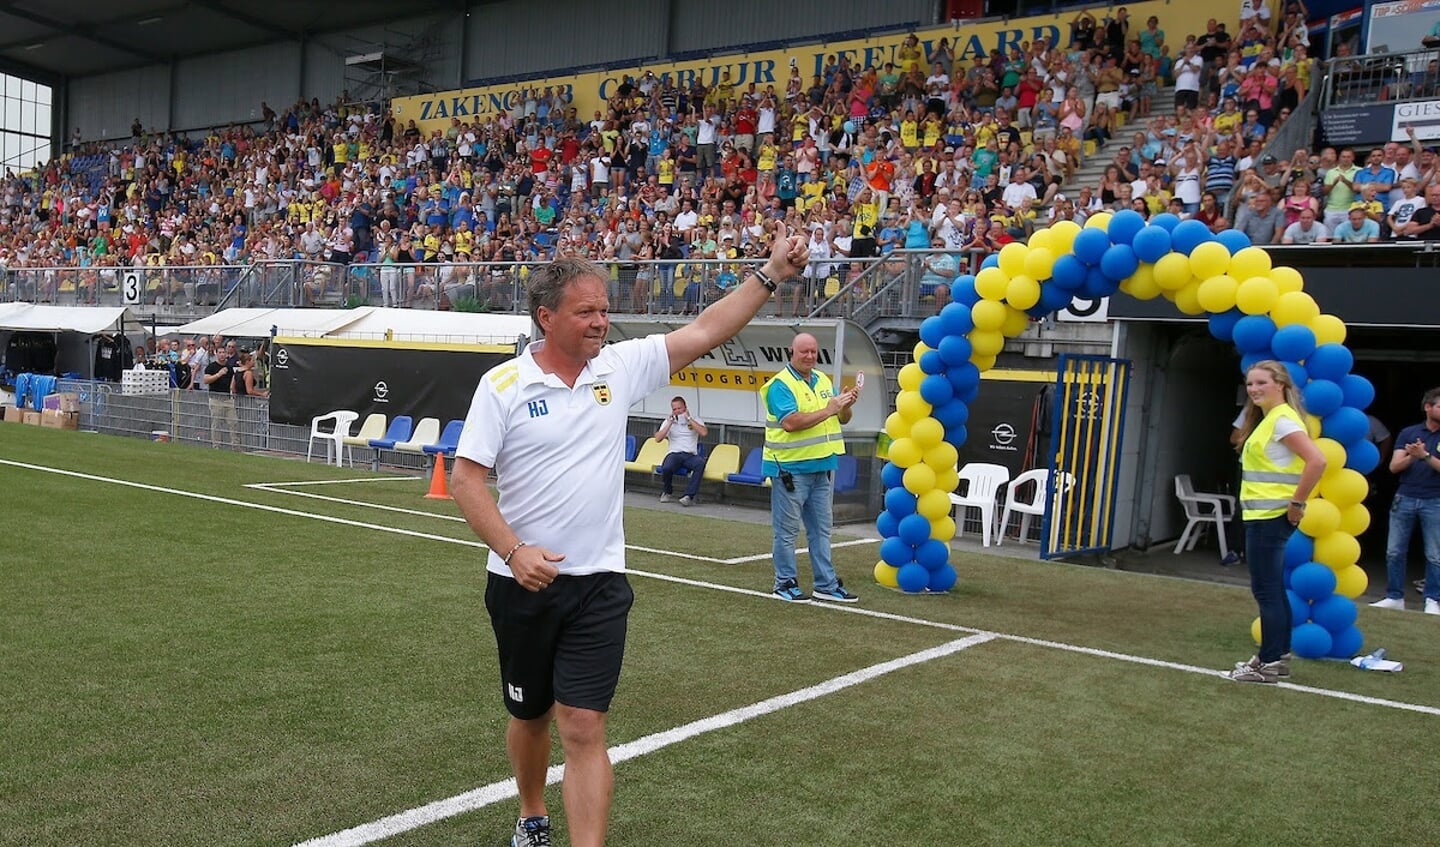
x=601, y=390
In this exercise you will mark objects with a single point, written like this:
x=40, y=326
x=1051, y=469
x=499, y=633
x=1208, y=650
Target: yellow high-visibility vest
x=819, y=441
x=1266, y=487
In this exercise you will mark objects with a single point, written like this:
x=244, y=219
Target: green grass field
x=185, y=660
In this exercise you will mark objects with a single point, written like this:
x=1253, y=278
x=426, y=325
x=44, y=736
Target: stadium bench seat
x=426, y=432
x=373, y=427
x=724, y=460
x=847, y=475
x=749, y=473
x=449, y=440
x=632, y=446
x=399, y=431
x=651, y=453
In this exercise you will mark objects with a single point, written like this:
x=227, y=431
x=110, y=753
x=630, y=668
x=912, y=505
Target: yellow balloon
x=910, y=377
x=1187, y=300
x=1141, y=285
x=988, y=315
x=1328, y=329
x=896, y=426
x=1312, y=426
x=919, y=478
x=905, y=453
x=1256, y=295
x=1016, y=322
x=1250, y=262
x=1039, y=240
x=1334, y=454
x=1321, y=516
x=1209, y=260
x=947, y=480
x=982, y=363
x=1100, y=221
x=986, y=342
x=1254, y=628
x=1351, y=582
x=991, y=283
x=933, y=504
x=1038, y=263
x=1345, y=488
x=1023, y=291
x=1172, y=272
x=921, y=348
x=1217, y=293
x=1355, y=519
x=1062, y=236
x=1294, y=307
x=887, y=575
x=1336, y=551
x=1287, y=279
x=927, y=432
x=943, y=529
x=1012, y=258
x=912, y=407
x=941, y=458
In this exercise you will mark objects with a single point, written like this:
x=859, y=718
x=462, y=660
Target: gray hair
x=548, y=282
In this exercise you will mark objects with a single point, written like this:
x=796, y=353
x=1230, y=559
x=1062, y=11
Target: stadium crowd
x=929, y=151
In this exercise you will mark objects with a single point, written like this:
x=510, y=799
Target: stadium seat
x=449, y=440
x=981, y=481
x=724, y=460
x=749, y=473
x=632, y=446
x=333, y=435
x=399, y=431
x=373, y=427
x=426, y=432
x=651, y=453
x=847, y=475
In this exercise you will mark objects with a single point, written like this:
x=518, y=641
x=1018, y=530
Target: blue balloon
x=893, y=476
x=914, y=530
x=965, y=376
x=931, y=362
x=1119, y=262
x=1293, y=343
x=1362, y=456
x=1151, y=243
x=1312, y=581
x=954, y=351
x=1299, y=609
x=1359, y=391
x=1299, y=550
x=1346, y=425
x=1038, y=311
x=1187, y=235
x=1053, y=297
x=887, y=526
x=899, y=502
x=956, y=435
x=1165, y=221
x=932, y=555
x=955, y=317
x=962, y=291
x=1322, y=397
x=1336, y=613
x=1233, y=239
x=954, y=413
x=1253, y=333
x=1250, y=360
x=1098, y=285
x=1068, y=274
x=1346, y=643
x=913, y=578
x=1330, y=361
x=1298, y=374
x=968, y=394
x=932, y=331
x=1310, y=641
x=990, y=261
x=1124, y=225
x=937, y=390
x=896, y=553
x=943, y=579
x=1089, y=246
x=1222, y=326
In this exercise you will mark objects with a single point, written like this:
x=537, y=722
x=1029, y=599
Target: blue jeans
x=692, y=463
x=810, y=503
x=1404, y=512
x=1265, y=554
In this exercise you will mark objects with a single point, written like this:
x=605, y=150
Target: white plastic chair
x=1201, y=510
x=980, y=481
x=373, y=427
x=1035, y=505
x=333, y=436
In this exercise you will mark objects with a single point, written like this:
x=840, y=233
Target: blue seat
x=449, y=440
x=632, y=446
x=847, y=475
x=399, y=431
x=750, y=471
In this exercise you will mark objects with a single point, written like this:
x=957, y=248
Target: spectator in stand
x=1187, y=79
x=1339, y=189
x=1306, y=230
x=1358, y=228
x=1261, y=220
x=1425, y=223
x=1378, y=176
x=1403, y=210
x=1298, y=200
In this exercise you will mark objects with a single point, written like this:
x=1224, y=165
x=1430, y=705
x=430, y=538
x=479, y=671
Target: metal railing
x=106, y=285
x=1354, y=81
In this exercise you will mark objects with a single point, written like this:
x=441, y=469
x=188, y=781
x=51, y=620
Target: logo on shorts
x=601, y=391
x=515, y=692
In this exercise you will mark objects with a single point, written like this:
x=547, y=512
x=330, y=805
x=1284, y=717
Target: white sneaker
x=664, y=498
x=1432, y=607
x=687, y=500
x=1389, y=603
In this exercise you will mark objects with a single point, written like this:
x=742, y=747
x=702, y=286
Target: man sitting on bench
x=684, y=432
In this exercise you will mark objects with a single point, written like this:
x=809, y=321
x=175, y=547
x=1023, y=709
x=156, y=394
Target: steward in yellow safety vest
x=801, y=389
x=1266, y=486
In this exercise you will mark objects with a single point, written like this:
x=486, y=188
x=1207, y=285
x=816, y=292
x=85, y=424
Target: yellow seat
x=651, y=454
x=724, y=460
x=1090, y=147
x=373, y=427
x=1026, y=137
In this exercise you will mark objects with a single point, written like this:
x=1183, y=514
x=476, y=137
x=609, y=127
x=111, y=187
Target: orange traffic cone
x=438, y=489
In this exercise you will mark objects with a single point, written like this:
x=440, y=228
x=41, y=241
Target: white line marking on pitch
x=504, y=790
x=395, y=478
x=1057, y=645
x=277, y=490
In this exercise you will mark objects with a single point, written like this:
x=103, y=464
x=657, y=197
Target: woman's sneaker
x=1254, y=670
x=531, y=832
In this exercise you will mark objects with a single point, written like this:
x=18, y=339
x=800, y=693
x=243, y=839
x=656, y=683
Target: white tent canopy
x=87, y=320
x=365, y=323
x=258, y=323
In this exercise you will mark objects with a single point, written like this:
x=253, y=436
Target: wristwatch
x=765, y=279
x=1300, y=503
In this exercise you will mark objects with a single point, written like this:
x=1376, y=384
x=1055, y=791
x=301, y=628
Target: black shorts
x=563, y=644
x=1187, y=99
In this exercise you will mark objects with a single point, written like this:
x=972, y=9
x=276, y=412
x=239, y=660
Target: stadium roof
x=63, y=38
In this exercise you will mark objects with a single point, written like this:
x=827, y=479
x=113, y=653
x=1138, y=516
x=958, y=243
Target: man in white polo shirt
x=551, y=425
x=683, y=430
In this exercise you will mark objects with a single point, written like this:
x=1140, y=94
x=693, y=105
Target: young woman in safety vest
x=1279, y=468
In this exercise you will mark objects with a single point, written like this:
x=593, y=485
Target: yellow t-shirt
x=932, y=133
x=768, y=155
x=1227, y=124
x=666, y=169
x=909, y=135
x=464, y=243
x=342, y=152
x=866, y=216
x=798, y=127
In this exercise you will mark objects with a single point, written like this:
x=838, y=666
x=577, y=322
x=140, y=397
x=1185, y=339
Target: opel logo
x=282, y=357
x=381, y=389
x=1003, y=434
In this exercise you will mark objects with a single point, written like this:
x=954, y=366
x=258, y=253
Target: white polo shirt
x=559, y=453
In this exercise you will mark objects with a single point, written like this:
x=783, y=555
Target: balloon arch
x=1263, y=310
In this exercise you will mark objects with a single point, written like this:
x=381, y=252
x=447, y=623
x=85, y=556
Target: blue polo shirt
x=780, y=401
x=1419, y=480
